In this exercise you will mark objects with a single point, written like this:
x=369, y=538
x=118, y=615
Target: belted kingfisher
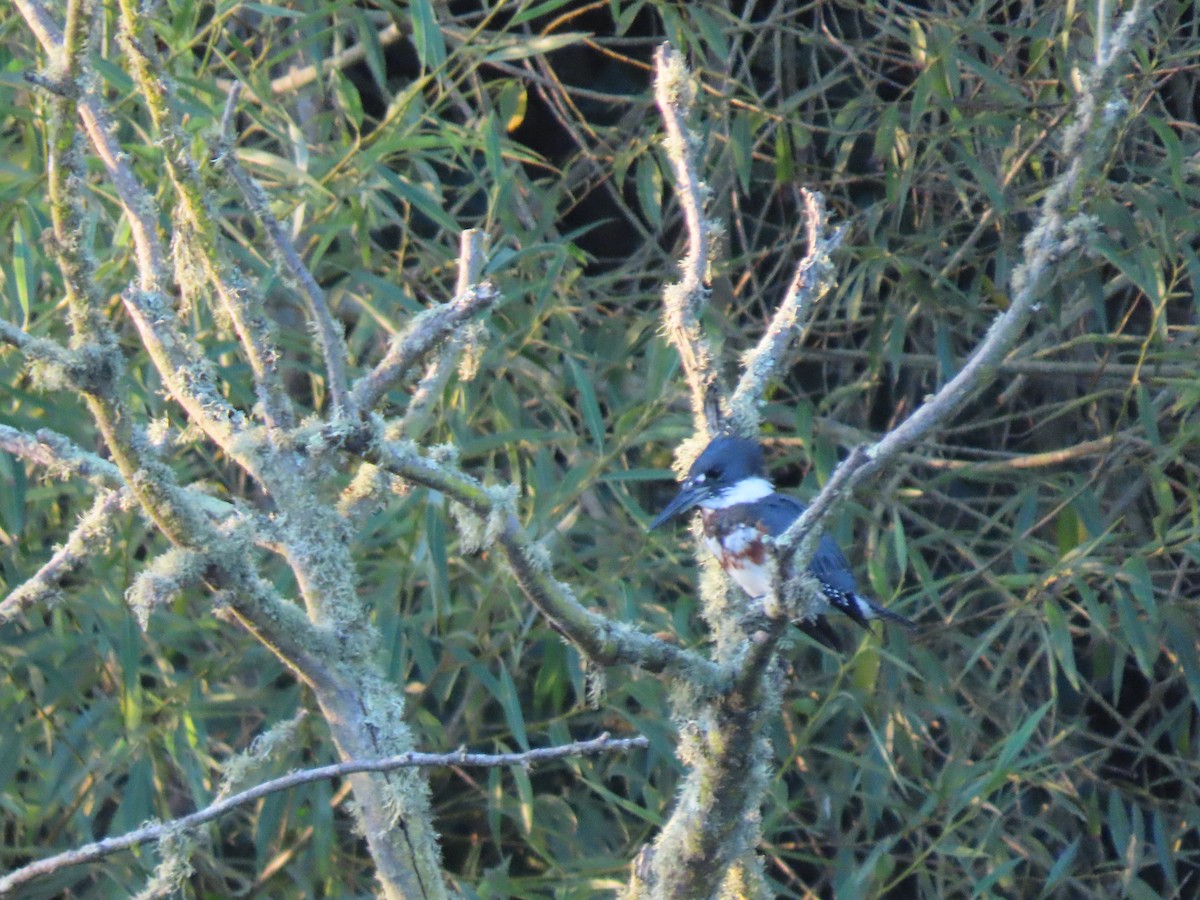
x=739, y=505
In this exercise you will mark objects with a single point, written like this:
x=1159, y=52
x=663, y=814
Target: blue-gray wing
x=829, y=564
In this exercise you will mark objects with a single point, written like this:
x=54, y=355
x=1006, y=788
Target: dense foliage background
x=1037, y=737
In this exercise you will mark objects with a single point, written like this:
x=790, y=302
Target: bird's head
x=729, y=471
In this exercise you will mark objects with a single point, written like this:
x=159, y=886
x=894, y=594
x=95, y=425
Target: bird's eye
x=712, y=473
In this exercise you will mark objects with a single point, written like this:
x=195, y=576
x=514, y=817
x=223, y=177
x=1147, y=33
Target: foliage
x=1036, y=738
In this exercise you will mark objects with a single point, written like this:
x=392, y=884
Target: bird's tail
x=872, y=610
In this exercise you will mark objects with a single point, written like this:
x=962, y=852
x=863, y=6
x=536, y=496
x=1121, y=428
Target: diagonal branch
x=600, y=638
x=1055, y=234
x=89, y=537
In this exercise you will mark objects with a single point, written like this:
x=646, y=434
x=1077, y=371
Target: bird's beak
x=688, y=496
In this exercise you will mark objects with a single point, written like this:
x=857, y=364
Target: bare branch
x=59, y=456
x=1053, y=236
x=600, y=638
x=157, y=832
x=196, y=234
x=137, y=203
x=181, y=366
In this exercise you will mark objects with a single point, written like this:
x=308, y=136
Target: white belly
x=753, y=578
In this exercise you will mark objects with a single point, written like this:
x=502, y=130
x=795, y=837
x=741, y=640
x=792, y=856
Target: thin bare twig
x=812, y=280
x=1058, y=369
x=433, y=382
x=88, y=538
x=328, y=331
x=156, y=832
x=422, y=335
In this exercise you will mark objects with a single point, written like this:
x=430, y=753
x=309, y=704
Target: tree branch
x=159, y=831
x=89, y=537
x=431, y=385
x=600, y=638
x=329, y=333
x=424, y=333
x=683, y=302
x=813, y=279
x=1053, y=236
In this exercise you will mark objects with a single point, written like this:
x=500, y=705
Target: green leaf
x=510, y=701
x=24, y=269
x=537, y=45
x=1118, y=823
x=1015, y=742
x=537, y=10
x=348, y=99
x=419, y=196
x=437, y=561
x=900, y=542
x=1061, y=868
x=1148, y=416
x=524, y=796
x=1133, y=630
x=1137, y=572
x=427, y=35
x=785, y=166
x=741, y=147
x=649, y=182
x=590, y=407
x=1059, y=635
x=12, y=496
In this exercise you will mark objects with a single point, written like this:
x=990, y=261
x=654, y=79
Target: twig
x=59, y=456
x=1038, y=368
x=158, y=831
x=88, y=537
x=422, y=335
x=812, y=280
x=328, y=331
x=429, y=389
x=683, y=302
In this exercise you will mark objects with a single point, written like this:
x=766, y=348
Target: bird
x=739, y=506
